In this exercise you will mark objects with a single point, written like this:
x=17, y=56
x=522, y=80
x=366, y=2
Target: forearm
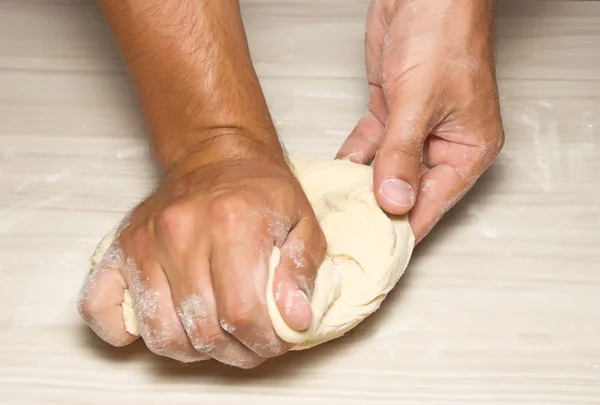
x=191, y=66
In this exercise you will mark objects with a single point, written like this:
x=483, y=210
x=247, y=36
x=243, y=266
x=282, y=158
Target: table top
x=501, y=303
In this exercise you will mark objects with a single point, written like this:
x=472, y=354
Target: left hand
x=433, y=125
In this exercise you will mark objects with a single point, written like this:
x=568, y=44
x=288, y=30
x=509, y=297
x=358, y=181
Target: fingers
x=242, y=251
x=455, y=168
x=196, y=308
x=101, y=298
x=440, y=189
x=199, y=287
x=363, y=142
x=159, y=324
x=239, y=272
x=294, y=278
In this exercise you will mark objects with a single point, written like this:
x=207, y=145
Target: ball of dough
x=367, y=253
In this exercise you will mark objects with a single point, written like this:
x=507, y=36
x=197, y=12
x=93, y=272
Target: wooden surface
x=501, y=305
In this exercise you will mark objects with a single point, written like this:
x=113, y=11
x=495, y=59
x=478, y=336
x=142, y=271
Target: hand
x=195, y=257
x=433, y=125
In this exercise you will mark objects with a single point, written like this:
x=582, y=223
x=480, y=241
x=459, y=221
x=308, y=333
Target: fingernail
x=398, y=192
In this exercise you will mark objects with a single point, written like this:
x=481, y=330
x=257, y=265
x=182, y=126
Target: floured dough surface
x=368, y=251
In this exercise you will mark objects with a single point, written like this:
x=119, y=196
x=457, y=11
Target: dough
x=367, y=252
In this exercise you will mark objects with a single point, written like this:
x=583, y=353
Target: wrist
x=465, y=28
x=215, y=145
x=453, y=17
x=472, y=15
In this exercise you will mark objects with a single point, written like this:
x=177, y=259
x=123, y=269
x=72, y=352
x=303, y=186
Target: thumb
x=294, y=280
x=397, y=164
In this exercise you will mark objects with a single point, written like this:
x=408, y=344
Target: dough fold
x=368, y=251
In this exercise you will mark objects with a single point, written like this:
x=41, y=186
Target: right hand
x=195, y=257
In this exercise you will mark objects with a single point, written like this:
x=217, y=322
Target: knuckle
x=249, y=363
x=135, y=237
x=208, y=337
x=321, y=242
x=500, y=140
x=244, y=321
x=385, y=73
x=229, y=209
x=491, y=148
x=393, y=82
x=401, y=149
x=167, y=344
x=372, y=104
x=271, y=346
x=174, y=220
x=240, y=316
x=366, y=130
x=211, y=340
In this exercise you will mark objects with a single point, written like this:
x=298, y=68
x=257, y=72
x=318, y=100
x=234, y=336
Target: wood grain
x=501, y=304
